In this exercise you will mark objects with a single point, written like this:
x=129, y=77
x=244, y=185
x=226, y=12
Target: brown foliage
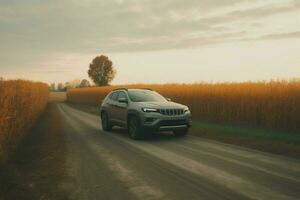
x=21, y=102
x=57, y=97
x=274, y=104
x=101, y=70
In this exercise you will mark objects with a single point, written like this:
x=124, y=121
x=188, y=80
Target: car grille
x=171, y=111
x=173, y=122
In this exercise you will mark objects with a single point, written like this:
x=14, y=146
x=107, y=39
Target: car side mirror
x=168, y=99
x=122, y=100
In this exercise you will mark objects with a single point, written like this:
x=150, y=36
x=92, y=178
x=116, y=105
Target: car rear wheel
x=180, y=133
x=106, y=126
x=134, y=128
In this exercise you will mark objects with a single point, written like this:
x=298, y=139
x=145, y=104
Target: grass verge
x=287, y=144
x=260, y=139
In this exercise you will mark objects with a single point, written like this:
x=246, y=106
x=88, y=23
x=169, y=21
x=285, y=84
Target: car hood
x=161, y=105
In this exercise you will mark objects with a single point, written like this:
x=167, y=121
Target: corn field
x=274, y=104
x=21, y=102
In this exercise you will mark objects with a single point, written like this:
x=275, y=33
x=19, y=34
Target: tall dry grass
x=274, y=104
x=21, y=102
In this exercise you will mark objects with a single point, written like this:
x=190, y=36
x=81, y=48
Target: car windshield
x=145, y=96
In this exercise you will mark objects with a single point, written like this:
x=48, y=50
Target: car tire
x=180, y=133
x=106, y=126
x=134, y=128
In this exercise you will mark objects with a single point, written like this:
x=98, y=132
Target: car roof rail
x=120, y=89
x=146, y=89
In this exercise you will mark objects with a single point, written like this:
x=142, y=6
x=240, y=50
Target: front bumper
x=159, y=122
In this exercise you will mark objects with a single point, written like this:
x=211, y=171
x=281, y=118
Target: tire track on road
x=235, y=183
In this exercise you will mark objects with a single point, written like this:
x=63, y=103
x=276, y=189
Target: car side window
x=114, y=96
x=122, y=95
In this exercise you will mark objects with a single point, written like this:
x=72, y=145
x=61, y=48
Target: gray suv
x=142, y=111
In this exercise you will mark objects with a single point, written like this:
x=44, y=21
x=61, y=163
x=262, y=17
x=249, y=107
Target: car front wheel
x=134, y=128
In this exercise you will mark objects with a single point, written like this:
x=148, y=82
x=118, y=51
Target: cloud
x=128, y=25
x=263, y=11
x=53, y=38
x=50, y=71
x=278, y=36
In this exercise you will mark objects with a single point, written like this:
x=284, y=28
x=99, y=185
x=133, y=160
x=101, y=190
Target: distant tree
x=52, y=87
x=1, y=79
x=67, y=86
x=60, y=87
x=74, y=83
x=85, y=83
x=101, y=70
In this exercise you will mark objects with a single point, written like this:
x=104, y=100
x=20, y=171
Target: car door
x=121, y=108
x=112, y=103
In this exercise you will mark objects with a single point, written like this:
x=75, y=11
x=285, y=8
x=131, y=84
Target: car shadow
x=149, y=137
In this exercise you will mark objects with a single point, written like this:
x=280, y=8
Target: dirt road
x=106, y=165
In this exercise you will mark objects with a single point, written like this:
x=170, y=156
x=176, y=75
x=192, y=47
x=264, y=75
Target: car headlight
x=149, y=110
x=186, y=110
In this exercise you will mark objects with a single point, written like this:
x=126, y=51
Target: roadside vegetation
x=57, y=97
x=260, y=115
x=21, y=103
x=37, y=168
x=273, y=105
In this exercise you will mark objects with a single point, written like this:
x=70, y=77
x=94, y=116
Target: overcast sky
x=151, y=41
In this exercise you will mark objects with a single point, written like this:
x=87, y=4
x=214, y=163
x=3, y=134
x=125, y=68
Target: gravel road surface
x=109, y=165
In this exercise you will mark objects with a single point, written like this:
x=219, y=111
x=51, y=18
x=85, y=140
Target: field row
x=21, y=104
x=274, y=105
